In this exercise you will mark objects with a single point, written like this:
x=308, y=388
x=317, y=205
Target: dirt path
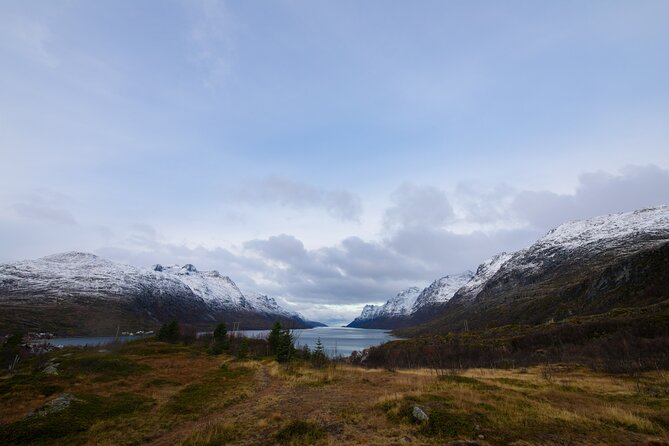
x=264, y=388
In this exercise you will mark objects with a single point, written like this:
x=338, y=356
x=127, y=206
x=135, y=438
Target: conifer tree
x=274, y=338
x=318, y=358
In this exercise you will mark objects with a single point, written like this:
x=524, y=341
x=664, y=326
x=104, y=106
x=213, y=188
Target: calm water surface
x=336, y=340
x=91, y=341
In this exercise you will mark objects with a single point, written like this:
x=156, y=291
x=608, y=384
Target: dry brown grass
x=195, y=401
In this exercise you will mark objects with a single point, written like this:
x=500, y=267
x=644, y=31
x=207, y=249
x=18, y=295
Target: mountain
x=582, y=267
x=83, y=294
x=411, y=304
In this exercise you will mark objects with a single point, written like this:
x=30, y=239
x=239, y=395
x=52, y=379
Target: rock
x=55, y=405
x=419, y=414
x=51, y=369
x=481, y=437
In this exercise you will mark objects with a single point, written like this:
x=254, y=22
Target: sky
x=326, y=153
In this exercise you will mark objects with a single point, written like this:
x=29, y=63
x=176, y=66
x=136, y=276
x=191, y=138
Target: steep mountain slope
x=80, y=293
x=411, y=304
x=579, y=268
x=388, y=314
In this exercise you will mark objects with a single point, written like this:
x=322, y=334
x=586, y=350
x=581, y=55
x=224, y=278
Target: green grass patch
x=466, y=380
x=151, y=347
x=107, y=367
x=79, y=416
x=299, y=432
x=448, y=424
x=30, y=383
x=443, y=421
x=219, y=390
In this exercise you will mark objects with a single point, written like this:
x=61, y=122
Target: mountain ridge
x=34, y=291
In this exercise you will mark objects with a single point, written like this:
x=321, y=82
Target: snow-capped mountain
x=580, y=267
x=409, y=302
x=441, y=290
x=154, y=294
x=487, y=269
x=398, y=306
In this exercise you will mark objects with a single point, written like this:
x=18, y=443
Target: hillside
x=82, y=294
x=411, y=305
x=579, y=268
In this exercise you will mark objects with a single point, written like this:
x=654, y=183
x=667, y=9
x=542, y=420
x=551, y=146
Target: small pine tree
x=318, y=358
x=243, y=351
x=220, y=340
x=306, y=352
x=169, y=332
x=274, y=338
x=286, y=347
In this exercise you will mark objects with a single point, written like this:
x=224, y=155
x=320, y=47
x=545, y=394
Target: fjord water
x=337, y=341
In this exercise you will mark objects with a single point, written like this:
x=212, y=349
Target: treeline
x=279, y=344
x=620, y=342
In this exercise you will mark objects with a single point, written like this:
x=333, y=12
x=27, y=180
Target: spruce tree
x=274, y=338
x=169, y=332
x=286, y=348
x=243, y=349
x=318, y=358
x=220, y=342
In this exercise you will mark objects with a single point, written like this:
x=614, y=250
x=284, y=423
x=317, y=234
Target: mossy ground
x=153, y=393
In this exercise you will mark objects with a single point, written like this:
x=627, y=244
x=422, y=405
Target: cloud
x=597, y=193
x=418, y=205
x=38, y=212
x=340, y=204
x=44, y=205
x=418, y=242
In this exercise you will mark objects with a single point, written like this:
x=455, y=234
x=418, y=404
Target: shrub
x=299, y=432
x=169, y=332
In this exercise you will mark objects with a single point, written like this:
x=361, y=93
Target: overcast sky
x=331, y=153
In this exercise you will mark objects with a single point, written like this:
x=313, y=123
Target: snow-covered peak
x=441, y=290
x=401, y=304
x=83, y=274
x=262, y=303
x=71, y=256
x=483, y=273
x=651, y=222
x=188, y=268
x=368, y=312
x=217, y=290
x=397, y=306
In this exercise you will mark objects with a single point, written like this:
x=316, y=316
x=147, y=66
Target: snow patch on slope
x=483, y=273
x=78, y=274
x=441, y=290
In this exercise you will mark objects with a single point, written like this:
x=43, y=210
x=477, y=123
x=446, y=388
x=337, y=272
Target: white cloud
x=340, y=204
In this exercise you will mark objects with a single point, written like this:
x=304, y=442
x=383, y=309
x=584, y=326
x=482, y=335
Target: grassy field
x=154, y=393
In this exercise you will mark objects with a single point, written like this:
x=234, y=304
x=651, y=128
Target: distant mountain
x=81, y=293
x=579, y=268
x=403, y=309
